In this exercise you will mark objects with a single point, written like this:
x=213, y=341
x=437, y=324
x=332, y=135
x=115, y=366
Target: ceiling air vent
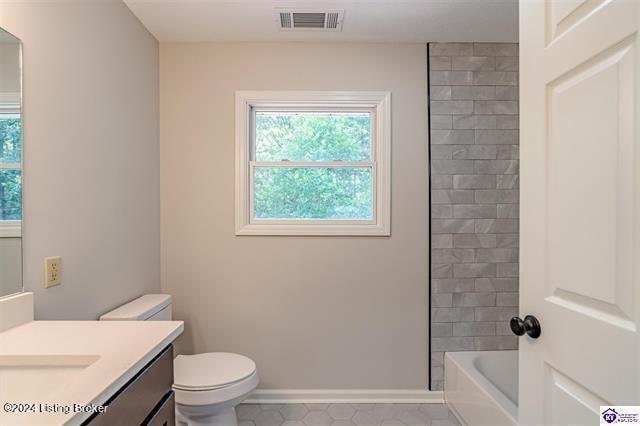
x=309, y=20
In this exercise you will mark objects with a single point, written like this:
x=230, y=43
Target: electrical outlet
x=52, y=271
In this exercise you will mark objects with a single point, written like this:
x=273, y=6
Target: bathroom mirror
x=10, y=164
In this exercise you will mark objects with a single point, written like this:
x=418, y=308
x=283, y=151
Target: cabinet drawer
x=165, y=413
x=133, y=403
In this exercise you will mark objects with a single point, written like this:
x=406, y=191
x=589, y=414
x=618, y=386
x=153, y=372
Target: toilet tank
x=150, y=307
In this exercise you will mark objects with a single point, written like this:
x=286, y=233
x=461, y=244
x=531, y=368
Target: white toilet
x=207, y=386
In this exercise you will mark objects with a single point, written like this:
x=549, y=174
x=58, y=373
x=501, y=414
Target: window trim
x=379, y=103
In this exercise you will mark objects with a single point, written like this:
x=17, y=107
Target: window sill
x=372, y=230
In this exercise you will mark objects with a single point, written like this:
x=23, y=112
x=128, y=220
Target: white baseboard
x=364, y=396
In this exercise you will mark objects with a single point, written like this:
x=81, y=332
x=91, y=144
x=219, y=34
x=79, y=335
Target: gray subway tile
x=440, y=93
x=495, y=167
x=507, y=63
x=452, y=343
x=441, y=271
x=474, y=181
x=437, y=359
x=450, y=49
x=497, y=255
x=495, y=49
x=451, y=78
x=508, y=122
x=474, y=299
x=475, y=93
x=454, y=107
x=474, y=122
x=441, y=211
x=508, y=240
x=474, y=240
x=452, y=196
x=437, y=374
x=452, y=315
x=495, y=313
x=452, y=226
x=496, y=284
x=496, y=226
x=442, y=300
x=446, y=167
x=495, y=78
x=442, y=152
x=452, y=256
x=508, y=182
x=474, y=270
x=440, y=63
x=503, y=196
x=474, y=211
x=473, y=63
x=474, y=152
x=507, y=152
x=507, y=299
x=496, y=137
x=504, y=270
x=441, y=181
x=452, y=285
x=503, y=329
x=442, y=241
x=474, y=88
x=453, y=137
x=474, y=328
x=441, y=329
x=507, y=93
x=492, y=107
x=441, y=122
x=495, y=343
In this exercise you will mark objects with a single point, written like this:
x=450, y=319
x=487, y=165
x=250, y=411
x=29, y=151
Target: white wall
x=314, y=312
x=91, y=153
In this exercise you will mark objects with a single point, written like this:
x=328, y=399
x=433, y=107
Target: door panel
x=590, y=181
x=580, y=208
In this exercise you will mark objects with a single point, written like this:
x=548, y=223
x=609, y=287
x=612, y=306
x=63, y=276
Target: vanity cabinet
x=147, y=399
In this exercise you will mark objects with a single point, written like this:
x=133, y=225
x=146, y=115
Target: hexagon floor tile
x=345, y=415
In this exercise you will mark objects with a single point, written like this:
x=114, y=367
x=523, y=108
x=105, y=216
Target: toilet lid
x=210, y=370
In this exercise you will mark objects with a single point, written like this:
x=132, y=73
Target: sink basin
x=28, y=378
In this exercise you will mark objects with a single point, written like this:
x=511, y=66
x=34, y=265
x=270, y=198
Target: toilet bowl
x=207, y=386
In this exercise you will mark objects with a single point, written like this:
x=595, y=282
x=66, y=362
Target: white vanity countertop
x=120, y=349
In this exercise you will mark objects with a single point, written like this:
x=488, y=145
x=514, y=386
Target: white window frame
x=10, y=228
x=378, y=103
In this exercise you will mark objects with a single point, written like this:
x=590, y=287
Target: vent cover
x=309, y=20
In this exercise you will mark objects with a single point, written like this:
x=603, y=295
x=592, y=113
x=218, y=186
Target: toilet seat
x=212, y=378
x=230, y=395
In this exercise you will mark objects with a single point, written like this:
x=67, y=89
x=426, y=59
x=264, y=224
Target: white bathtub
x=481, y=387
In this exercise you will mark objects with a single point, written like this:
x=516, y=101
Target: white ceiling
x=364, y=21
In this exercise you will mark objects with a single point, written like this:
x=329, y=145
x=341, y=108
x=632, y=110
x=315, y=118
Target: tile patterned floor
x=345, y=415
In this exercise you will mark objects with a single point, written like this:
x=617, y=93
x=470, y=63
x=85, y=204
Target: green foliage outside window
x=10, y=178
x=313, y=192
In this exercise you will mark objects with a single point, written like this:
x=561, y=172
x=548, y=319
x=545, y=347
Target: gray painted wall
x=313, y=312
x=474, y=198
x=91, y=153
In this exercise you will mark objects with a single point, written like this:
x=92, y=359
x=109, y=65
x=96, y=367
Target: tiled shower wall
x=474, y=198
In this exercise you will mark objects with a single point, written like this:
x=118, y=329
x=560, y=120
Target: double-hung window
x=312, y=163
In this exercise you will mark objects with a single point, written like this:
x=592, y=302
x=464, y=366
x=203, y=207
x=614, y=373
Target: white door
x=580, y=208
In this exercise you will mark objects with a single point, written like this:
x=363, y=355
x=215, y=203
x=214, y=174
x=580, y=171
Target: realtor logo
x=609, y=415
x=627, y=414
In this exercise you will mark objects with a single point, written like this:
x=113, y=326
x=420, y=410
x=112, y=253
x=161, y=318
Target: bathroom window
x=10, y=171
x=312, y=163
